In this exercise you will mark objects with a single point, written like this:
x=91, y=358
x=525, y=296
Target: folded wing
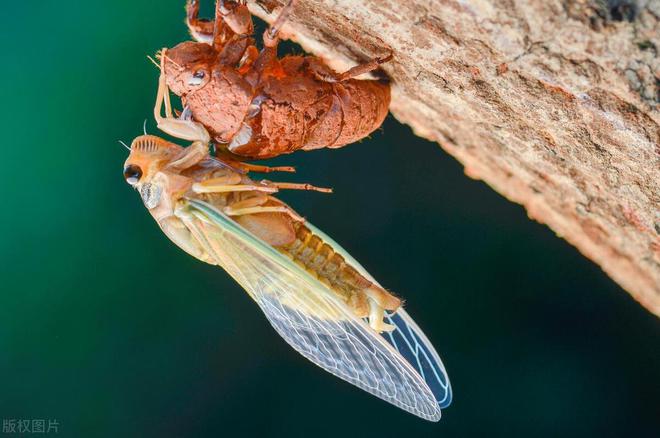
x=308, y=315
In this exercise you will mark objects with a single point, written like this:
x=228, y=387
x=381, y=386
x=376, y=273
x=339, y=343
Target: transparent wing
x=310, y=317
x=408, y=339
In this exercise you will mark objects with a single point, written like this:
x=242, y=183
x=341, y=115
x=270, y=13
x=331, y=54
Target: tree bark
x=552, y=103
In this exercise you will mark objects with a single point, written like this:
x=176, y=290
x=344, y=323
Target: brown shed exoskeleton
x=256, y=105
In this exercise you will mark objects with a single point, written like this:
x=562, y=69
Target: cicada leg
x=201, y=188
x=364, y=68
x=236, y=162
x=231, y=183
x=267, y=62
x=235, y=15
x=232, y=211
x=185, y=129
x=324, y=73
x=176, y=230
x=227, y=184
x=231, y=18
x=193, y=154
x=296, y=186
x=254, y=201
x=376, y=315
x=379, y=301
x=200, y=29
x=271, y=35
x=255, y=205
x=264, y=169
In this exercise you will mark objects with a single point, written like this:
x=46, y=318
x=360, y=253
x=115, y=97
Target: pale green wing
x=408, y=339
x=309, y=316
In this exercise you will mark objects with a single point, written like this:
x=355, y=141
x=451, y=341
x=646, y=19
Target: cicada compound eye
x=132, y=173
x=197, y=78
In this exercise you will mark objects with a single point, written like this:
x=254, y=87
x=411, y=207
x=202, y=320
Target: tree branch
x=553, y=104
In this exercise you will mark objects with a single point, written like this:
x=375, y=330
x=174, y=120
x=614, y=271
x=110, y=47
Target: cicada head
x=144, y=168
x=187, y=67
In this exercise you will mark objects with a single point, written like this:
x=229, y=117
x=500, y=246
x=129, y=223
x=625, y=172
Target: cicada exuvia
x=315, y=295
x=257, y=105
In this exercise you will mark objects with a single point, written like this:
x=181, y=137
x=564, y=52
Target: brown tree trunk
x=552, y=103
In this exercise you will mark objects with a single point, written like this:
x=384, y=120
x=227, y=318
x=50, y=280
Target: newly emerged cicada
x=257, y=105
x=315, y=295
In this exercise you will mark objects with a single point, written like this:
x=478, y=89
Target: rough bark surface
x=552, y=103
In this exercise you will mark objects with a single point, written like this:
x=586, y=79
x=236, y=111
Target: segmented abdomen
x=356, y=109
x=318, y=257
x=300, y=111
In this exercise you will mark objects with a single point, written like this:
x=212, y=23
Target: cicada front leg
x=195, y=153
x=185, y=128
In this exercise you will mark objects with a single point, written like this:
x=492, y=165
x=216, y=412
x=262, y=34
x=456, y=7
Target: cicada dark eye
x=132, y=173
x=197, y=78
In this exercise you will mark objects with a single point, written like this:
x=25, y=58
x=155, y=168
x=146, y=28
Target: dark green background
x=113, y=331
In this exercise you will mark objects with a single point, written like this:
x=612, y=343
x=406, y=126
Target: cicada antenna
x=124, y=144
x=153, y=61
x=160, y=55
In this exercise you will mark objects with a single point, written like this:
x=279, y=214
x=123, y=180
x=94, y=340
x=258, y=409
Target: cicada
x=256, y=105
x=315, y=295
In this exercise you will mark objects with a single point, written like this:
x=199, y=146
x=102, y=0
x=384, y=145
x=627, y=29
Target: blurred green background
x=111, y=330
